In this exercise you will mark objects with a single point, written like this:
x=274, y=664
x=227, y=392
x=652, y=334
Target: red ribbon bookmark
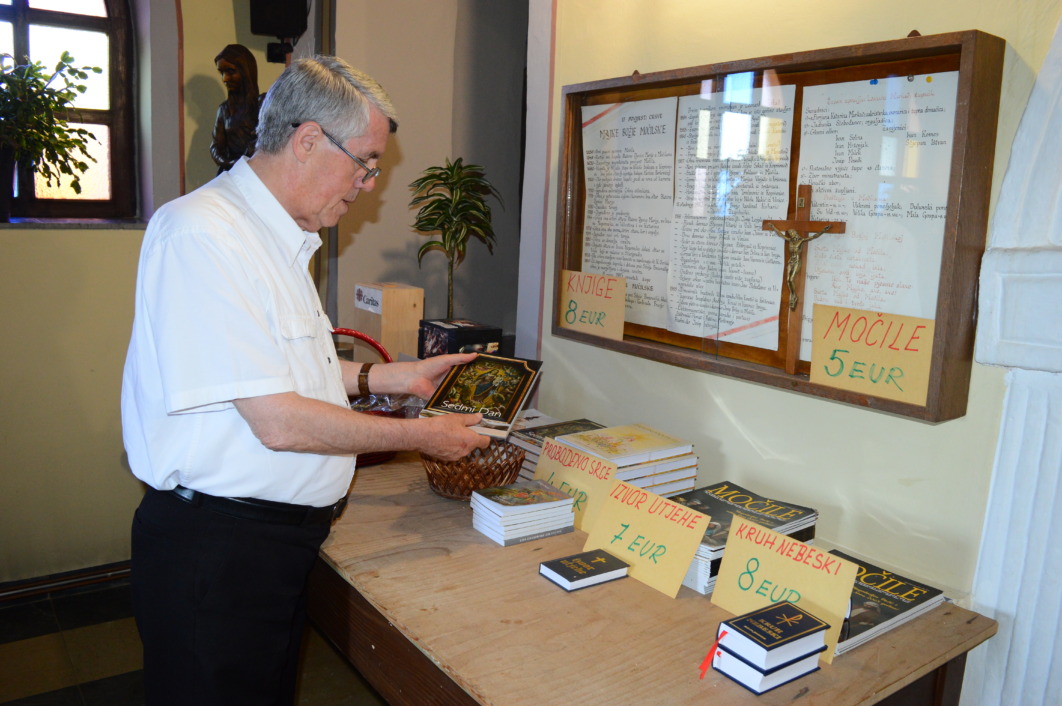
x=707, y=663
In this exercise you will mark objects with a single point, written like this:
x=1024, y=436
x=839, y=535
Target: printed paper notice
x=628, y=161
x=883, y=355
x=761, y=567
x=657, y=537
x=878, y=157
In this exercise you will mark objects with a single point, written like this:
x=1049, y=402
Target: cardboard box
x=390, y=313
x=438, y=336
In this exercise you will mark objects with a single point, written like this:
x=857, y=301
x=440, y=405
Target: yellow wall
x=906, y=493
x=66, y=305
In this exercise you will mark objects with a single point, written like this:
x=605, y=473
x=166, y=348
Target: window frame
x=118, y=118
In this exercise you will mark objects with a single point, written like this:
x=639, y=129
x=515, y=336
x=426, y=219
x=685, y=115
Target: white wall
x=455, y=76
x=909, y=494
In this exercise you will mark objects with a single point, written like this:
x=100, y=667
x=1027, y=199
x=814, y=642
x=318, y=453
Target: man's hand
x=450, y=436
x=419, y=378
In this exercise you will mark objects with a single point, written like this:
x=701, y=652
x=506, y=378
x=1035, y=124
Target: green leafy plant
x=453, y=203
x=34, y=105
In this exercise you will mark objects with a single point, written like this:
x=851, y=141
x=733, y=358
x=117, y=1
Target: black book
x=770, y=646
x=880, y=601
x=583, y=569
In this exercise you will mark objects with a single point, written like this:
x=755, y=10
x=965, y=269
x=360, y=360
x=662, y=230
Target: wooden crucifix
x=797, y=233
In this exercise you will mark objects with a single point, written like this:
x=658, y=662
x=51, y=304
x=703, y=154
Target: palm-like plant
x=34, y=105
x=453, y=203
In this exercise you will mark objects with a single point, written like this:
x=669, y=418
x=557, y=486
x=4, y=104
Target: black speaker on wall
x=278, y=18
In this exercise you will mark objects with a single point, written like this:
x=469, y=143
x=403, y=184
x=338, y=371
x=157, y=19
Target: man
x=234, y=404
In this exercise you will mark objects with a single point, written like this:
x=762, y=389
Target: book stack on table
x=531, y=437
x=770, y=646
x=881, y=600
x=722, y=502
x=645, y=457
x=522, y=512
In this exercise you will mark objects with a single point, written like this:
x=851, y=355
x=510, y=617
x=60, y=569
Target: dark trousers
x=220, y=604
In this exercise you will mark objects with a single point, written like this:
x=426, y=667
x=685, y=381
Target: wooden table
x=432, y=612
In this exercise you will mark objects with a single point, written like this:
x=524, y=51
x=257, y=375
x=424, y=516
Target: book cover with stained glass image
x=496, y=386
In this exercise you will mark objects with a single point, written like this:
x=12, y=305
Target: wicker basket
x=498, y=464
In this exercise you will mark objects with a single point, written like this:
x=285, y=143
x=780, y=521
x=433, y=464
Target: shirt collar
x=298, y=244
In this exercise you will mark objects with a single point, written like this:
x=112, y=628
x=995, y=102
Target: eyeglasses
x=370, y=172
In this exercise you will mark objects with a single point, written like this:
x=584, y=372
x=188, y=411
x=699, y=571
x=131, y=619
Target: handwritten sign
x=593, y=303
x=657, y=537
x=585, y=477
x=761, y=567
x=885, y=355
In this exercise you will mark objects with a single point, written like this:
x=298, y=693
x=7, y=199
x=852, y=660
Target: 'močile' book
x=723, y=501
x=495, y=386
x=881, y=600
x=584, y=569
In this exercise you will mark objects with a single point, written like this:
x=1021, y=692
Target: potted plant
x=34, y=105
x=453, y=203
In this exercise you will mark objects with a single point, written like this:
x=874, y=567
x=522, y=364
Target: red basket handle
x=368, y=339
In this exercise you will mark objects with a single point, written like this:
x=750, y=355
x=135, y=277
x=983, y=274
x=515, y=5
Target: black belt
x=263, y=510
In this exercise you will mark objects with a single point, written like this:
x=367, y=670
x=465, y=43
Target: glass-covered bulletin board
x=792, y=220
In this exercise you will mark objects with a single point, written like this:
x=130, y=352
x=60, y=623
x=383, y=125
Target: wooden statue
x=236, y=126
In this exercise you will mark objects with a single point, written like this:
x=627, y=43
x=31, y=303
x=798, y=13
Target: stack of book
x=770, y=646
x=521, y=512
x=531, y=437
x=880, y=601
x=722, y=502
x=645, y=457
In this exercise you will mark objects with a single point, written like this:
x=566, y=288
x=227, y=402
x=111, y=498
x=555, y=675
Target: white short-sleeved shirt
x=226, y=309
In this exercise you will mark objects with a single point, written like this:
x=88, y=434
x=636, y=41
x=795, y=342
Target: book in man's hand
x=495, y=386
x=584, y=569
x=881, y=600
x=770, y=646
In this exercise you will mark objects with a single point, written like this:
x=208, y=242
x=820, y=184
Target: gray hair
x=326, y=90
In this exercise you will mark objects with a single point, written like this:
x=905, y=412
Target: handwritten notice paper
x=586, y=478
x=761, y=567
x=878, y=156
x=593, y=303
x=657, y=537
x=628, y=159
x=883, y=355
x=732, y=161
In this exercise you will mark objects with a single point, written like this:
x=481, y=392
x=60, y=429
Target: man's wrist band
x=363, y=379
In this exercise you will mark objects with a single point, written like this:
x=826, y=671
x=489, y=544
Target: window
x=96, y=33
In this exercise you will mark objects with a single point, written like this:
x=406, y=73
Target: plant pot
x=7, y=182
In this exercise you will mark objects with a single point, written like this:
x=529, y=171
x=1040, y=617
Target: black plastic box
x=439, y=336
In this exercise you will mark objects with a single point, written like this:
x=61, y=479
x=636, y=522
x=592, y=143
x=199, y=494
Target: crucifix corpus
x=797, y=233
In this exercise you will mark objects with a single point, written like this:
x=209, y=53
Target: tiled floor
x=81, y=648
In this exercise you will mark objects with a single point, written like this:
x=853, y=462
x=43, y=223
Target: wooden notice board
x=733, y=198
